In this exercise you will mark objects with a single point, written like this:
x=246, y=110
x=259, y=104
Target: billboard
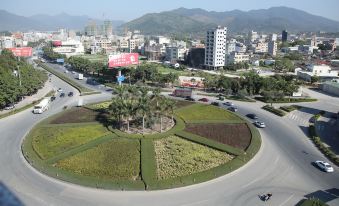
x=120, y=60
x=57, y=43
x=22, y=51
x=185, y=81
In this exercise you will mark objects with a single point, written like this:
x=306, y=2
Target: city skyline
x=124, y=11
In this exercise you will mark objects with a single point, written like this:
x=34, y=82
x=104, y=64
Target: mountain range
x=43, y=22
x=191, y=21
x=184, y=21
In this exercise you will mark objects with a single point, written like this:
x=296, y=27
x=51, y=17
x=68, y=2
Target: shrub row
x=290, y=108
x=83, y=90
x=148, y=162
x=286, y=100
x=311, y=202
x=274, y=110
x=325, y=150
x=210, y=143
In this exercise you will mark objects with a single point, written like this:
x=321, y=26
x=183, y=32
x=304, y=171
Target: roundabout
x=82, y=146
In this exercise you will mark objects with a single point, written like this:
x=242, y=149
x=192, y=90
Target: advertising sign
x=57, y=43
x=22, y=51
x=120, y=60
x=185, y=81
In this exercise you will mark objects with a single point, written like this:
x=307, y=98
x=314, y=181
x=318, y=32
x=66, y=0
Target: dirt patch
x=235, y=135
x=80, y=115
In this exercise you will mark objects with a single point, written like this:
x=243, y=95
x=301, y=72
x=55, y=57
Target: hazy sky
x=130, y=9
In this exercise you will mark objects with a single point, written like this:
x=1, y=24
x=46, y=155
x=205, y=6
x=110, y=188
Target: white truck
x=42, y=106
x=80, y=76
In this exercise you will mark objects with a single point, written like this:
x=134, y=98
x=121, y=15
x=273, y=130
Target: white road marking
x=248, y=184
x=288, y=199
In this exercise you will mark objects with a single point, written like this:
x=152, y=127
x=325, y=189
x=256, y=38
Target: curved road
x=282, y=166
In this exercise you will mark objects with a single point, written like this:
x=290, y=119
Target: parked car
x=70, y=94
x=62, y=94
x=53, y=98
x=9, y=107
x=215, y=103
x=260, y=124
x=73, y=72
x=324, y=166
x=252, y=116
x=203, y=100
x=189, y=99
x=59, y=90
x=228, y=103
x=221, y=98
x=233, y=109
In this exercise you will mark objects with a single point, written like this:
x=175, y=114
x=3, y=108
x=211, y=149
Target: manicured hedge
x=274, y=110
x=325, y=150
x=83, y=90
x=290, y=108
x=311, y=202
x=286, y=100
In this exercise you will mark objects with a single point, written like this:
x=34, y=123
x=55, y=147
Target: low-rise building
x=174, y=53
x=324, y=72
x=69, y=48
x=237, y=57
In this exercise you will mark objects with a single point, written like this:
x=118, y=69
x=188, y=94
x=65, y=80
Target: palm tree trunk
x=127, y=124
x=160, y=124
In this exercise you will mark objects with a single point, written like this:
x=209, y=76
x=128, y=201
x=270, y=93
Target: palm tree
x=143, y=105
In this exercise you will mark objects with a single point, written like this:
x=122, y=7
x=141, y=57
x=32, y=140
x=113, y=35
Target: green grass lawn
x=206, y=113
x=178, y=157
x=95, y=57
x=167, y=70
x=102, y=105
x=51, y=141
x=118, y=159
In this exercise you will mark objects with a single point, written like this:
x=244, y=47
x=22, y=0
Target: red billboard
x=22, y=51
x=57, y=43
x=120, y=60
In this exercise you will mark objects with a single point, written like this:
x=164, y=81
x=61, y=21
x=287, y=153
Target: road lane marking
x=288, y=199
x=248, y=184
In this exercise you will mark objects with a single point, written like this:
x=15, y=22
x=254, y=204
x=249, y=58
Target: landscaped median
x=273, y=110
x=286, y=100
x=80, y=146
x=83, y=90
x=317, y=141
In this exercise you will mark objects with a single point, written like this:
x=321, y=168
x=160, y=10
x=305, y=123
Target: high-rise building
x=284, y=35
x=215, y=47
x=108, y=28
x=273, y=37
x=252, y=36
x=91, y=28
x=272, y=48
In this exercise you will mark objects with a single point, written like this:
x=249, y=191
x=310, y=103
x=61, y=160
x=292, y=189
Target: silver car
x=260, y=124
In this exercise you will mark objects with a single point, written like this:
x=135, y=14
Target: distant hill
x=194, y=21
x=13, y=22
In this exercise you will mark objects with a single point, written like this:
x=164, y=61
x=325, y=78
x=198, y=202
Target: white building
x=272, y=48
x=324, y=72
x=70, y=48
x=240, y=47
x=215, y=47
x=261, y=47
x=273, y=37
x=236, y=57
x=6, y=42
x=162, y=40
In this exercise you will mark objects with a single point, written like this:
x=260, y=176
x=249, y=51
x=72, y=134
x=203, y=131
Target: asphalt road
x=282, y=167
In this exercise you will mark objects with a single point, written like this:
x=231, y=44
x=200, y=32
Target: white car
x=260, y=124
x=324, y=166
x=73, y=72
x=59, y=90
x=228, y=104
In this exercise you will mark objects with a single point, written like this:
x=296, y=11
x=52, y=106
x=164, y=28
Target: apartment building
x=215, y=47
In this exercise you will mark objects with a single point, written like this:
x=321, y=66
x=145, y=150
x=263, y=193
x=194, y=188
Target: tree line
x=12, y=71
x=273, y=87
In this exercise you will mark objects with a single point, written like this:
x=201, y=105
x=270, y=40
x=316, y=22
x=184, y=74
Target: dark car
x=70, y=94
x=233, y=109
x=203, y=100
x=62, y=94
x=189, y=99
x=53, y=98
x=215, y=104
x=252, y=116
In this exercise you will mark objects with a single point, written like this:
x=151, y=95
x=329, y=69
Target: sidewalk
x=29, y=99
